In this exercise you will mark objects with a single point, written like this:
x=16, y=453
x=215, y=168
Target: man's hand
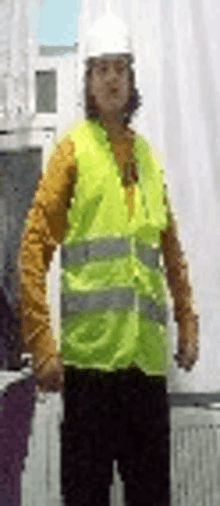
x=188, y=330
x=50, y=378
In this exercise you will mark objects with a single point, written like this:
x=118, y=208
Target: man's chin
x=114, y=114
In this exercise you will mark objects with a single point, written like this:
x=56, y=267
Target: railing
x=33, y=463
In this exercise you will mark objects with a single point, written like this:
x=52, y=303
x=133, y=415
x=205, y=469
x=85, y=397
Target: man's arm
x=176, y=269
x=45, y=228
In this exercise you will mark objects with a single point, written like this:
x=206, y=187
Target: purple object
x=16, y=412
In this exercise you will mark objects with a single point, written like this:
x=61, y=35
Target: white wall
x=14, y=53
x=66, y=91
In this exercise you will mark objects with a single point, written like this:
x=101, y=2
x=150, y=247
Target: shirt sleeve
x=45, y=228
x=176, y=269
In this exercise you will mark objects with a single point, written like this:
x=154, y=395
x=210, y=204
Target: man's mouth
x=113, y=96
x=113, y=92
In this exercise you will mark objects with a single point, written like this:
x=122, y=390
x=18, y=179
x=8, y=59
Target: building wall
x=14, y=57
x=65, y=67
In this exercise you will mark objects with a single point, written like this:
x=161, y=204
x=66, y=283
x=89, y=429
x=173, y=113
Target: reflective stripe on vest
x=90, y=250
x=116, y=297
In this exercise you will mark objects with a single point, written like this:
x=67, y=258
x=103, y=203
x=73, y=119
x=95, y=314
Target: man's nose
x=112, y=75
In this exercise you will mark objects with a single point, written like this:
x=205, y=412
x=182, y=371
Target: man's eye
x=120, y=68
x=103, y=69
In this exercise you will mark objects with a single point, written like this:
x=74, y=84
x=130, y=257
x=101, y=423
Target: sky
x=59, y=22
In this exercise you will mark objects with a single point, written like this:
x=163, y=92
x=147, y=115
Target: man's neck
x=113, y=127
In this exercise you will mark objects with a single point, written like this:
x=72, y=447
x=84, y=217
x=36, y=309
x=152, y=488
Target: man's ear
x=89, y=78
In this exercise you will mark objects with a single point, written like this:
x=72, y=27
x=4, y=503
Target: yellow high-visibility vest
x=114, y=309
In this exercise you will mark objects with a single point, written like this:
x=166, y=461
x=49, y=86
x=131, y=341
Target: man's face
x=109, y=83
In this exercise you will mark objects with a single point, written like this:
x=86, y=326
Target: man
x=103, y=198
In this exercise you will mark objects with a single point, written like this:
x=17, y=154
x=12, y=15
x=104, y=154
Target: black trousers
x=124, y=416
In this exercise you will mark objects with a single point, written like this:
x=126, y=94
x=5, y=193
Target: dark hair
x=91, y=110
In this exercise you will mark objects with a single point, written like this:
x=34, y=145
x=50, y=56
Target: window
x=46, y=91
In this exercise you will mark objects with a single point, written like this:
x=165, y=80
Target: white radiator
x=195, y=456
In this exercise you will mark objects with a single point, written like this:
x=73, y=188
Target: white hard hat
x=108, y=35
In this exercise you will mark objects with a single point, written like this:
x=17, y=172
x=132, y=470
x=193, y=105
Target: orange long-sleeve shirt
x=46, y=228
